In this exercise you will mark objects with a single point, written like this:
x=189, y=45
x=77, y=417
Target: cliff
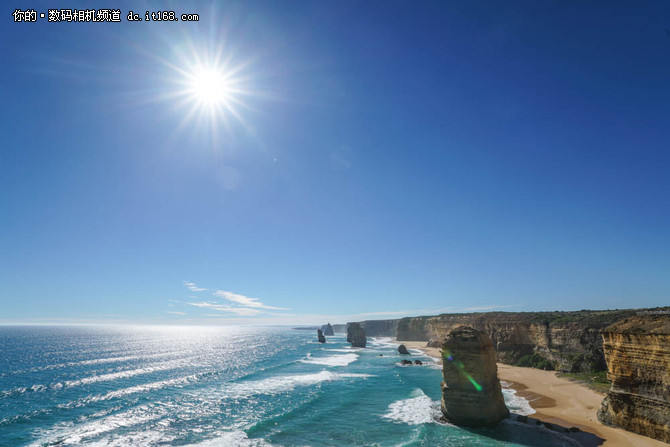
x=637, y=351
x=471, y=392
x=380, y=328
x=565, y=341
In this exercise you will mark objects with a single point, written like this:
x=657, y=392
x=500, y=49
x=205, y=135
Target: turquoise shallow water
x=222, y=386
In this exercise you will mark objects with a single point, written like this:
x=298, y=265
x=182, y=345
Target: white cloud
x=174, y=312
x=192, y=287
x=244, y=300
x=245, y=311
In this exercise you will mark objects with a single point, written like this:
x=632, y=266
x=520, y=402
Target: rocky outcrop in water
x=471, y=392
x=356, y=335
x=565, y=341
x=402, y=349
x=327, y=329
x=320, y=336
x=637, y=350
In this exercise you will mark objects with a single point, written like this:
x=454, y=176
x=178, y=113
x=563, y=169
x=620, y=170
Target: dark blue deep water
x=223, y=386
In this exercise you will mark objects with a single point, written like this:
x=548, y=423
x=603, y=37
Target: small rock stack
x=320, y=336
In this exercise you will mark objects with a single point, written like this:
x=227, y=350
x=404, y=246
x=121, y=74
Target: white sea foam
x=383, y=342
x=145, y=387
x=13, y=391
x=104, y=431
x=419, y=409
x=516, y=404
x=333, y=360
x=272, y=385
x=141, y=438
x=76, y=434
x=165, y=366
x=232, y=439
x=281, y=384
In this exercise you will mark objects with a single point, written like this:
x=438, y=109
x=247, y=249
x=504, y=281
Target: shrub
x=535, y=361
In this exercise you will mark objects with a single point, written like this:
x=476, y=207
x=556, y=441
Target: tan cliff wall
x=380, y=328
x=569, y=341
x=637, y=351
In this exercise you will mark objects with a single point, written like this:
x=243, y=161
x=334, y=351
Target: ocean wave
x=281, y=384
x=91, y=431
x=141, y=388
x=166, y=366
x=383, y=342
x=515, y=403
x=416, y=410
x=333, y=360
x=232, y=439
x=18, y=391
x=71, y=434
x=274, y=385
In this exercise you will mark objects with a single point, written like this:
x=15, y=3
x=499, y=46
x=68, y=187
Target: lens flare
x=446, y=355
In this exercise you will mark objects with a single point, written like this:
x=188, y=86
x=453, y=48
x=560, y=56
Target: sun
x=210, y=87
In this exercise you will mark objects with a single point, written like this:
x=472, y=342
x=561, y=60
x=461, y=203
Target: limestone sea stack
x=402, y=349
x=471, y=393
x=637, y=351
x=327, y=329
x=319, y=334
x=356, y=335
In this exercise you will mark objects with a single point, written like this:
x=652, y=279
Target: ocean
x=225, y=386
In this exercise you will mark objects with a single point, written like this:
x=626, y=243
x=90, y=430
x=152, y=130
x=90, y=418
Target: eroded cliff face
x=380, y=328
x=569, y=341
x=471, y=392
x=637, y=350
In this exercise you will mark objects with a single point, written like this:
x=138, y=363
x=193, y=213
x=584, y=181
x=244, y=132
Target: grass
x=597, y=381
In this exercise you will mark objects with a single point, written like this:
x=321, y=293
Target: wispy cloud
x=244, y=311
x=174, y=312
x=192, y=287
x=244, y=300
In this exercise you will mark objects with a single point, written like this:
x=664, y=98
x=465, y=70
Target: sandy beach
x=559, y=401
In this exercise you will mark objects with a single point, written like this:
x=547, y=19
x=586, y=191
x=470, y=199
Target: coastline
x=558, y=401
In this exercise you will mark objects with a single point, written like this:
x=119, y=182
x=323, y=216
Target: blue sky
x=367, y=160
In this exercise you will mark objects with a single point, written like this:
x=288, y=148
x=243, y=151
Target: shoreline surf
x=557, y=401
